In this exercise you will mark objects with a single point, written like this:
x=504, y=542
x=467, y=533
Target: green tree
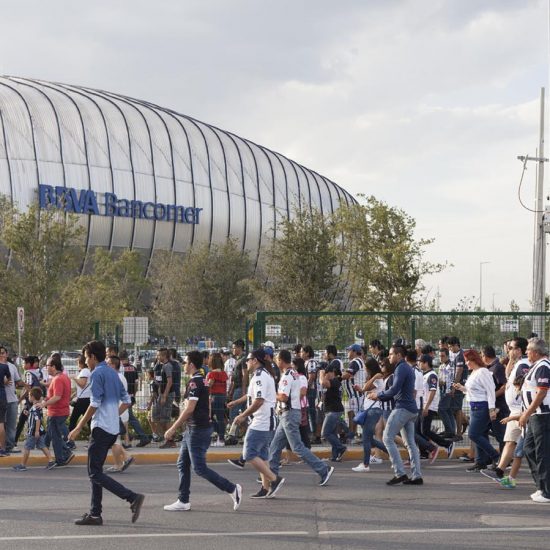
x=44, y=254
x=384, y=260
x=209, y=292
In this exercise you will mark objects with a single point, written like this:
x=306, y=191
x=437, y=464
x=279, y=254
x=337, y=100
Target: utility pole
x=539, y=251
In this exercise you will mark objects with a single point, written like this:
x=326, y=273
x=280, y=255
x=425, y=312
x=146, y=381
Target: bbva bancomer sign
x=85, y=201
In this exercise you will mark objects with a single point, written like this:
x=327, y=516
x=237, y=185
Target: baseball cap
x=269, y=344
x=225, y=351
x=355, y=347
x=268, y=351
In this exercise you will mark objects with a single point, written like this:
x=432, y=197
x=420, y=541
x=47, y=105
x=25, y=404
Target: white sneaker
x=221, y=443
x=361, y=468
x=178, y=506
x=375, y=460
x=237, y=495
x=537, y=493
x=214, y=444
x=541, y=499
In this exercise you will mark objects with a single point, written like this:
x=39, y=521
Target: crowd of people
x=410, y=396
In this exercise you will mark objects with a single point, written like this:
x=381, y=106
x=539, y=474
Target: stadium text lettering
x=84, y=201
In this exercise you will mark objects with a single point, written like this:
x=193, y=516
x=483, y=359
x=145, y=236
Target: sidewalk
x=153, y=455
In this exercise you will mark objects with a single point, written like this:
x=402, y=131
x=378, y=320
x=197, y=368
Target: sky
x=424, y=105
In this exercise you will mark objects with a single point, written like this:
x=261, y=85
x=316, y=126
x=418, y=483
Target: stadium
x=145, y=177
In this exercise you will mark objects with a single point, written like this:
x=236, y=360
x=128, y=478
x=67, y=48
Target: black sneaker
x=475, y=468
x=326, y=477
x=143, y=442
x=136, y=505
x=69, y=458
x=262, y=493
x=87, y=519
x=395, y=480
x=237, y=462
x=415, y=481
x=274, y=486
x=338, y=457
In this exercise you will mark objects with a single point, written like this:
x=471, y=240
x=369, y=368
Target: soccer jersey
x=356, y=368
x=537, y=377
x=513, y=396
x=196, y=390
x=262, y=386
x=290, y=385
x=419, y=387
x=431, y=383
x=35, y=417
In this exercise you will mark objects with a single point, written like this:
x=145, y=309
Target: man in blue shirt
x=401, y=419
x=5, y=377
x=109, y=399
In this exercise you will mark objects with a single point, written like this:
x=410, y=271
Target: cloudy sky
x=424, y=104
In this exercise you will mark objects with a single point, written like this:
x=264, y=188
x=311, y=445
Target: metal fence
x=318, y=329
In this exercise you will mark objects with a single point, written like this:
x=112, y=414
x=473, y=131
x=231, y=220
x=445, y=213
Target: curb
x=170, y=457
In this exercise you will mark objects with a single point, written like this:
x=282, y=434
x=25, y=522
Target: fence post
x=96, y=330
x=413, y=331
x=117, y=335
x=390, y=335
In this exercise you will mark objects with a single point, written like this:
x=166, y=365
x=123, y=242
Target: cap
x=268, y=351
x=258, y=354
x=225, y=351
x=268, y=344
x=355, y=347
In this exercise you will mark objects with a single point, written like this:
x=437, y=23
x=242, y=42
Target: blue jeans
x=135, y=424
x=373, y=416
x=11, y=425
x=58, y=432
x=329, y=432
x=194, y=445
x=218, y=412
x=402, y=421
x=100, y=443
x=446, y=414
x=235, y=411
x=288, y=430
x=479, y=434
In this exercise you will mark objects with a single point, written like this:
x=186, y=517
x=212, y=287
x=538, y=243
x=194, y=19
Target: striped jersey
x=537, y=377
x=35, y=417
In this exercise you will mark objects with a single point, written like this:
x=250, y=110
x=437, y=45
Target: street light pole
x=481, y=264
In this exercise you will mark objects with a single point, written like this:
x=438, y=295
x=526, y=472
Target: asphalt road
x=454, y=509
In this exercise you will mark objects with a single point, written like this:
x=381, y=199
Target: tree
x=44, y=255
x=384, y=261
x=208, y=292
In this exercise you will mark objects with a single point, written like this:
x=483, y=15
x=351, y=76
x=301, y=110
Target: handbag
x=361, y=417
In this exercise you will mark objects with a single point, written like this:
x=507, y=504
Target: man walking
x=104, y=410
x=401, y=419
x=196, y=439
x=289, y=397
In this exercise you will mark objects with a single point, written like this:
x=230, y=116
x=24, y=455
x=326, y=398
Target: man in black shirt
x=196, y=439
x=333, y=410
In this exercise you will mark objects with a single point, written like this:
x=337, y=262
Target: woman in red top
x=217, y=382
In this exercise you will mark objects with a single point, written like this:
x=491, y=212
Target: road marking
x=157, y=535
x=528, y=501
x=488, y=482
x=437, y=530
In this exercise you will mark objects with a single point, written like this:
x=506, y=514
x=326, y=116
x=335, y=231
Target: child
x=36, y=434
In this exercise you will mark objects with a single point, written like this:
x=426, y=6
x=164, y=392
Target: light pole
x=481, y=264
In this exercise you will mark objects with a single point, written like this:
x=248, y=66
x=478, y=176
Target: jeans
x=135, y=424
x=11, y=425
x=428, y=433
x=194, y=445
x=100, y=443
x=402, y=421
x=373, y=416
x=329, y=432
x=312, y=409
x=80, y=408
x=537, y=451
x=446, y=414
x=218, y=412
x=478, y=432
x=58, y=432
x=288, y=430
x=235, y=411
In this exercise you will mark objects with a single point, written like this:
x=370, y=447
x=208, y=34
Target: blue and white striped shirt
x=107, y=392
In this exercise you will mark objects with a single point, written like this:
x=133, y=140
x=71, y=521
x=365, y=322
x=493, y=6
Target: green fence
x=343, y=328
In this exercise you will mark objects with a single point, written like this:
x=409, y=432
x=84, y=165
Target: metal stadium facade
x=145, y=177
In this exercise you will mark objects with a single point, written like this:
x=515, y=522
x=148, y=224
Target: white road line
x=528, y=501
x=158, y=535
x=442, y=530
x=488, y=482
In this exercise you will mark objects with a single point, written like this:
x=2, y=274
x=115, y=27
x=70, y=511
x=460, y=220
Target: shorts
x=3, y=410
x=35, y=442
x=456, y=401
x=518, y=452
x=513, y=431
x=353, y=404
x=256, y=444
x=162, y=413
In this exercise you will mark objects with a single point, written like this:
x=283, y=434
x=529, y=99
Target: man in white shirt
x=288, y=431
x=261, y=397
